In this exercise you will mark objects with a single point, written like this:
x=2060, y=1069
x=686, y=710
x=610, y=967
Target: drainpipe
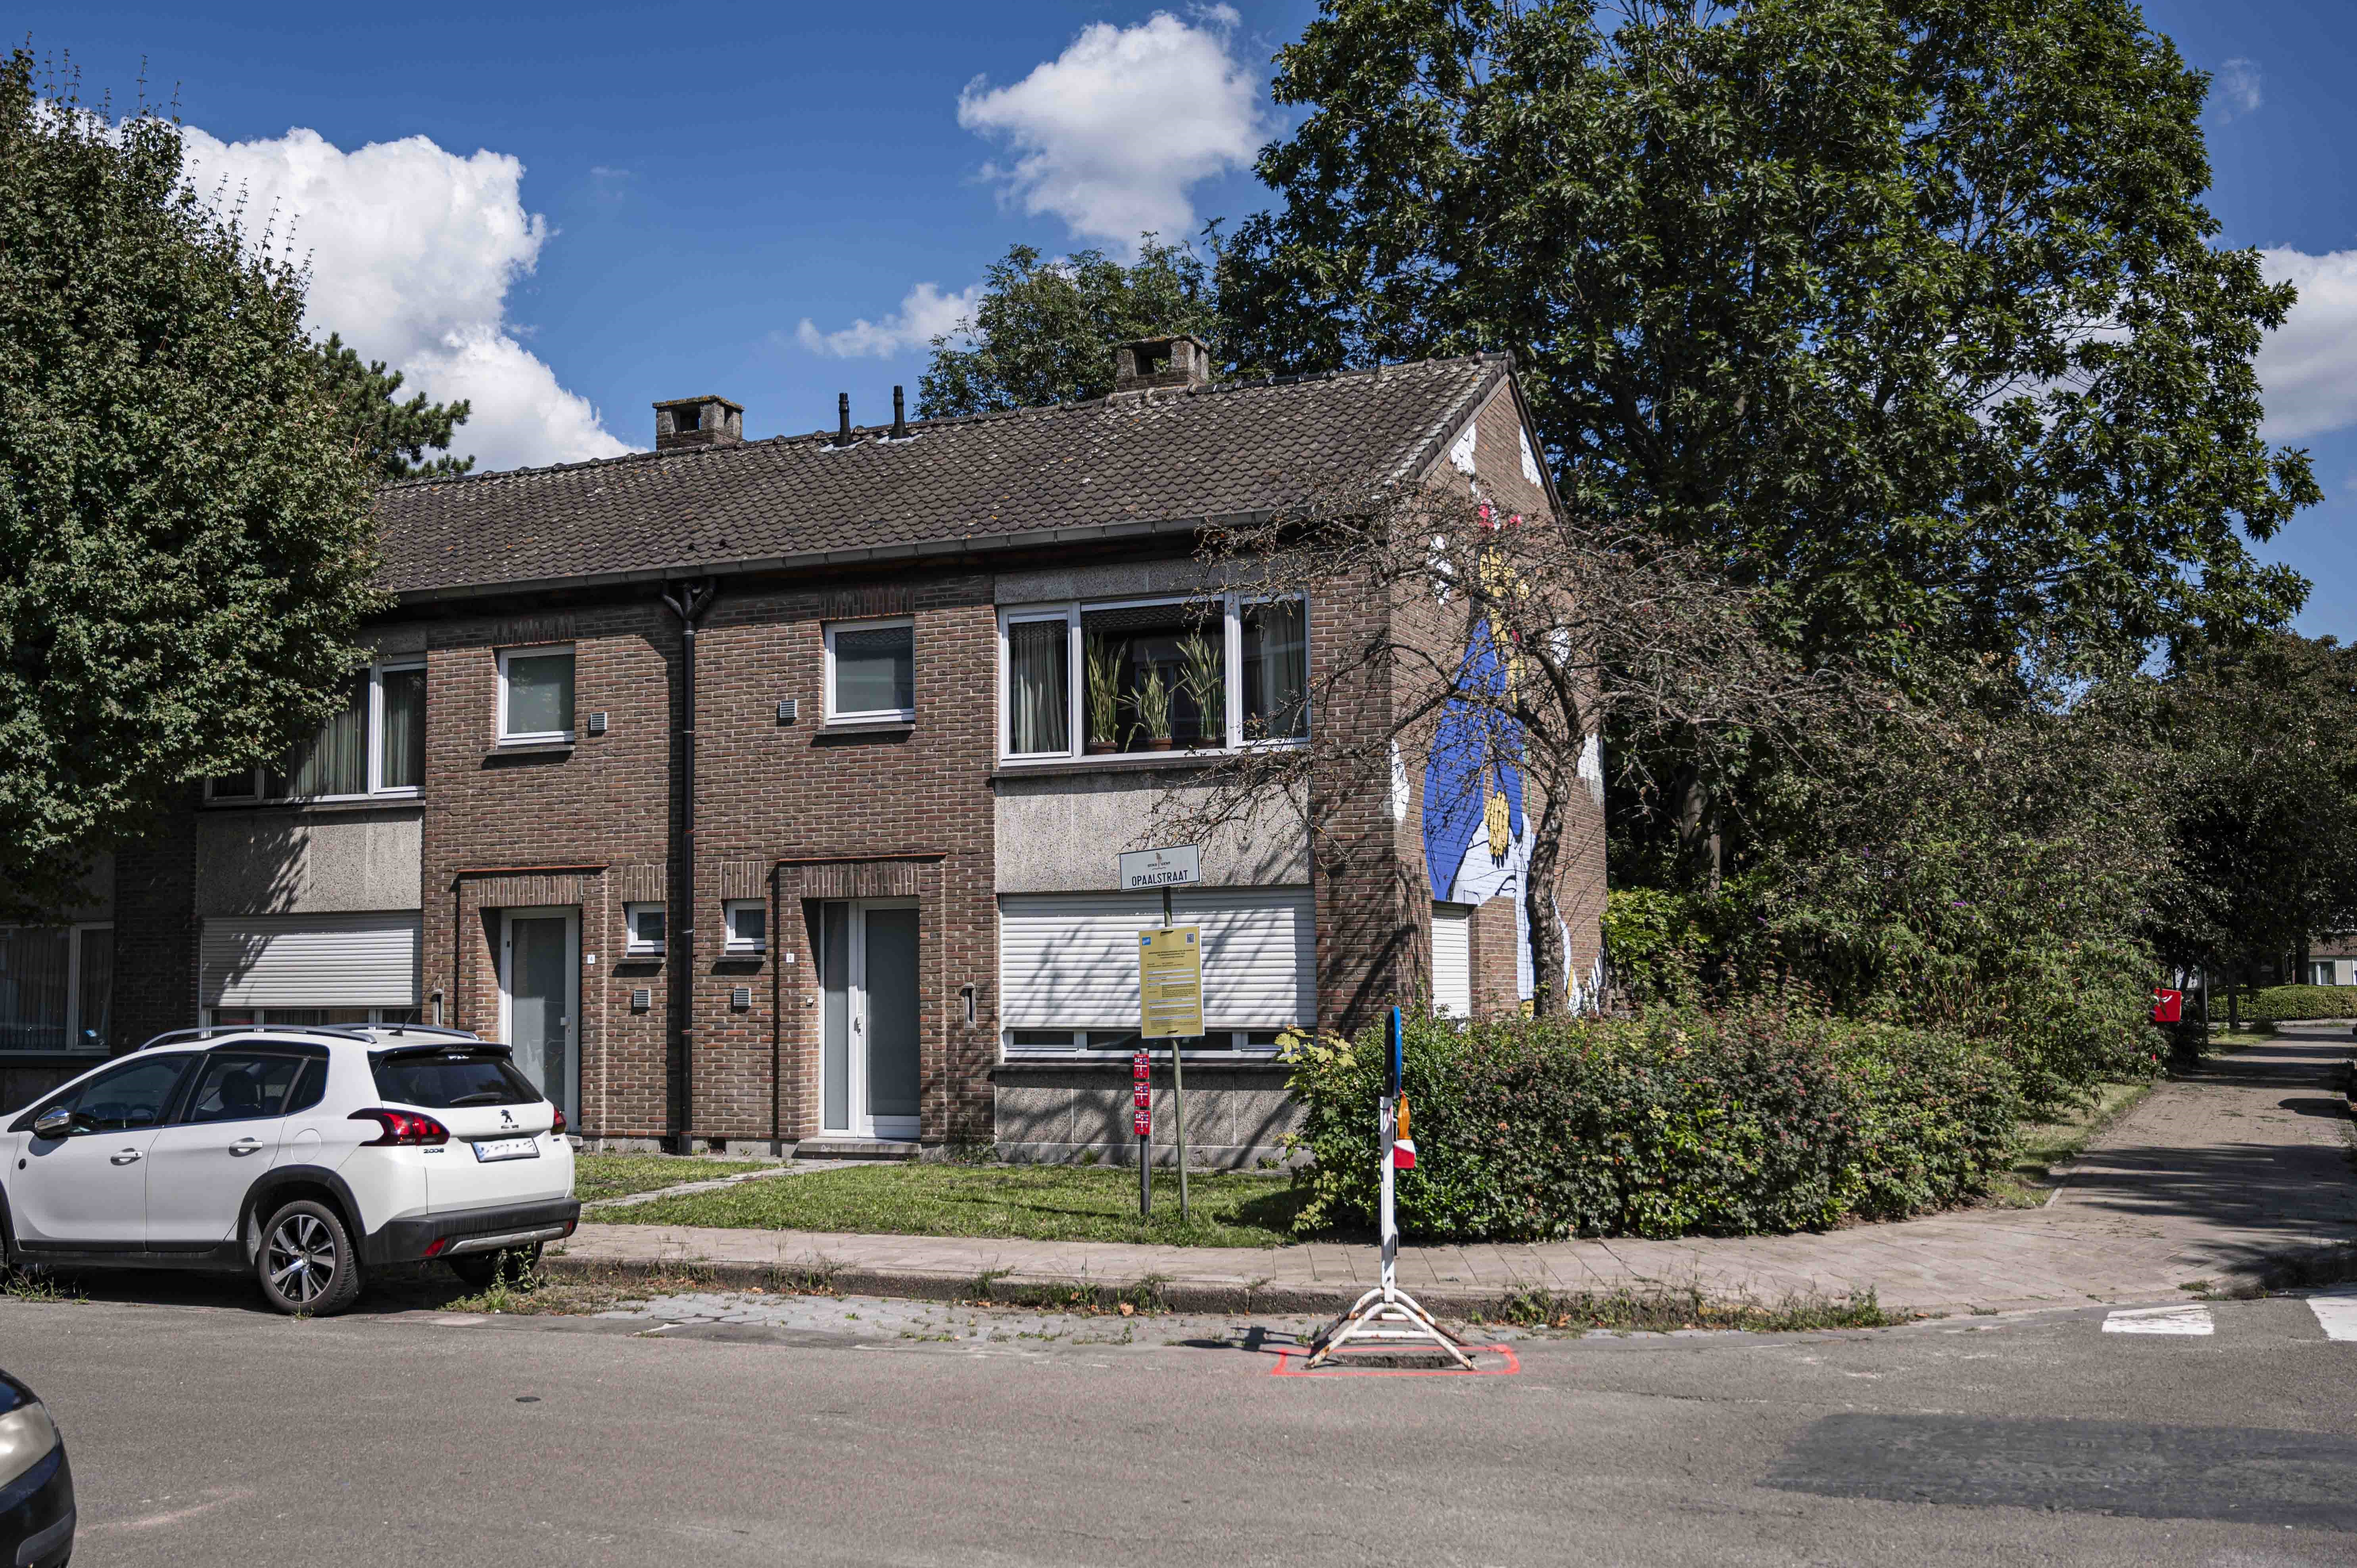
x=688, y=602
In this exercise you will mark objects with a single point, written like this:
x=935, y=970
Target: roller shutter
x=1452, y=960
x=1070, y=959
x=311, y=961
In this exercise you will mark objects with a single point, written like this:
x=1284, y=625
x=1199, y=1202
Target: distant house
x=882, y=910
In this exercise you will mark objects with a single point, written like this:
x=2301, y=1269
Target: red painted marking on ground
x=1286, y=1368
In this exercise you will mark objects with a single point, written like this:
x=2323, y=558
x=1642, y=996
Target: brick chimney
x=1181, y=361
x=698, y=422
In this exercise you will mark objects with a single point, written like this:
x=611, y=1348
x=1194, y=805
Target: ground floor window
x=1034, y=1042
x=285, y=1017
x=57, y=987
x=1068, y=968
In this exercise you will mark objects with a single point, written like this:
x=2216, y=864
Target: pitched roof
x=1110, y=466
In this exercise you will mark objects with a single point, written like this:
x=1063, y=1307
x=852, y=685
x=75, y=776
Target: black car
x=37, y=1506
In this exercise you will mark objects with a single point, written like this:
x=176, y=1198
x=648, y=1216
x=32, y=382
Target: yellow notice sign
x=1170, y=982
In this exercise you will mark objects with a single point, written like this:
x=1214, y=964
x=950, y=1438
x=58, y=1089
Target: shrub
x=1673, y=1124
x=2278, y=1004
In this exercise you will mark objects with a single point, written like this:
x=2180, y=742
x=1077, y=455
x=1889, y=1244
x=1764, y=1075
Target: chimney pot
x=900, y=417
x=1148, y=362
x=698, y=422
x=843, y=419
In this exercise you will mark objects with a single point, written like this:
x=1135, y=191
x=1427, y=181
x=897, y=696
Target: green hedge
x=2277, y=1003
x=1668, y=1124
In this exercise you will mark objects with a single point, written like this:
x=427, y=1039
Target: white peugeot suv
x=308, y=1156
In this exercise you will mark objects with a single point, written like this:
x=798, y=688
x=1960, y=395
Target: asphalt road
x=205, y=1432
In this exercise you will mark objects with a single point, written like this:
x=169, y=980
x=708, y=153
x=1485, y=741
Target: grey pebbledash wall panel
x=311, y=961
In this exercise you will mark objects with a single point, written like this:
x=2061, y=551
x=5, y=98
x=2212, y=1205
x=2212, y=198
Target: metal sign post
x=1388, y=1315
x=1141, y=1122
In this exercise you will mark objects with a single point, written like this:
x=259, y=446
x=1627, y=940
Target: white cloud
x=2237, y=84
x=1110, y=135
x=2308, y=366
x=925, y=314
x=413, y=251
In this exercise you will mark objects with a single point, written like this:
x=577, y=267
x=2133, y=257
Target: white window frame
x=634, y=945
x=733, y=946
x=536, y=651
x=1238, y=1044
x=377, y=788
x=1076, y=673
x=73, y=930
x=871, y=715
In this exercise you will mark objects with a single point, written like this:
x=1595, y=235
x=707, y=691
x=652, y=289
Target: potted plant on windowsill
x=1103, y=662
x=1206, y=685
x=1153, y=704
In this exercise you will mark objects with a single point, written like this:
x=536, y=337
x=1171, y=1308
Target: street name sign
x=1177, y=866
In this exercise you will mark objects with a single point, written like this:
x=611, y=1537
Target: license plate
x=508, y=1149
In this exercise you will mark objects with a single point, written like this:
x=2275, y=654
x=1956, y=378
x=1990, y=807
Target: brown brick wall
x=510, y=829
x=156, y=930
x=884, y=813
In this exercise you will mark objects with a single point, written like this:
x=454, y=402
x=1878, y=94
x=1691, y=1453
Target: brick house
x=894, y=820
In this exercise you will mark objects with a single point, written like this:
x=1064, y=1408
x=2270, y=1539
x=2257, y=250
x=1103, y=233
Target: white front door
x=869, y=1076
x=540, y=1001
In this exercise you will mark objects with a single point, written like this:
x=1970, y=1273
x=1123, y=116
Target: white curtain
x=1039, y=693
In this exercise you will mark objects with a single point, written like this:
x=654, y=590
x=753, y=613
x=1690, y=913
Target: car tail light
x=558, y=1131
x=402, y=1127
x=434, y=1248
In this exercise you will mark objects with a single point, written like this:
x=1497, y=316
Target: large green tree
x=1044, y=331
x=1907, y=310
x=185, y=536
x=394, y=436
x=2262, y=804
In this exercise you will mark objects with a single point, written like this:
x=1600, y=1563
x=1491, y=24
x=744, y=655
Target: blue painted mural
x=1477, y=839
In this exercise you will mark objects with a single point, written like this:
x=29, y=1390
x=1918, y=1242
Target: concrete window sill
x=410, y=801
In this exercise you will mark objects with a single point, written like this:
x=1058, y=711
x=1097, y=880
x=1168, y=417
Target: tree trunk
x=1698, y=839
x=1547, y=960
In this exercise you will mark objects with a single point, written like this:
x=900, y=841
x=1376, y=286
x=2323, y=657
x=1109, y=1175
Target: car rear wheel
x=481, y=1270
x=307, y=1263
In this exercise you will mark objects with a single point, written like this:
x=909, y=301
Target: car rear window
x=444, y=1080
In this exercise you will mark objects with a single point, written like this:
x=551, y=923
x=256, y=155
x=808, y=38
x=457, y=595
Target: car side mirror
x=57, y=1122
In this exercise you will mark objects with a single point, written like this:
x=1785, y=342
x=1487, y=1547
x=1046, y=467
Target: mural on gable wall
x=1477, y=837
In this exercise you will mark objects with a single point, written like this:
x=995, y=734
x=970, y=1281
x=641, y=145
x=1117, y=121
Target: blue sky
x=567, y=214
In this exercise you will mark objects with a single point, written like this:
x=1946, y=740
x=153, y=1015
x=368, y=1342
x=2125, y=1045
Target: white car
x=306, y=1156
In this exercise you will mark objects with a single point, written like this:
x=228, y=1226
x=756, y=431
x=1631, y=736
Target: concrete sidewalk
x=2231, y=1173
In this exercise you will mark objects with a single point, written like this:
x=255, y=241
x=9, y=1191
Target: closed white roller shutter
x=311, y=961
x=1070, y=959
x=1452, y=960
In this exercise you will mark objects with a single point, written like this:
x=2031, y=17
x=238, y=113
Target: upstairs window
x=1152, y=676
x=871, y=672
x=374, y=743
x=535, y=695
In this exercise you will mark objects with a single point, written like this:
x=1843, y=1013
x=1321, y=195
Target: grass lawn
x=2045, y=1144
x=1033, y=1203
x=615, y=1176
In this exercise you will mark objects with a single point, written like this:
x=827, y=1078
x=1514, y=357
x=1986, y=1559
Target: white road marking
x=2160, y=1320
x=2336, y=1311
